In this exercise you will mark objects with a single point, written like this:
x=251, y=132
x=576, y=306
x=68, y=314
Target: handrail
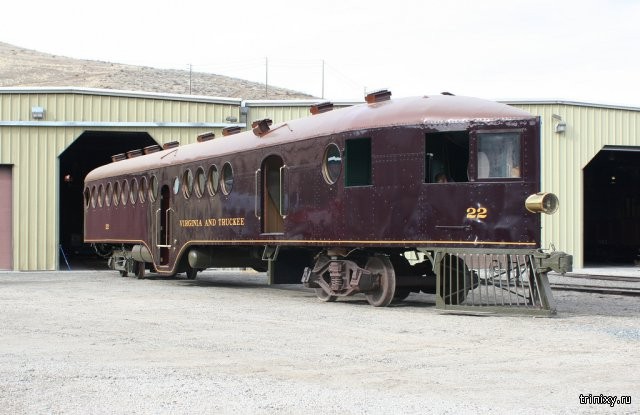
x=255, y=205
x=280, y=208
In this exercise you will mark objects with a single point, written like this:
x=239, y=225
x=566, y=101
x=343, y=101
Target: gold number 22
x=479, y=213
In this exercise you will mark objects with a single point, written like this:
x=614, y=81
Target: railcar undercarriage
x=471, y=280
x=463, y=280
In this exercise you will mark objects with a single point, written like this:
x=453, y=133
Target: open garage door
x=612, y=207
x=88, y=151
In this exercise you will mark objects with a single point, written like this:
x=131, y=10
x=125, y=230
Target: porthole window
x=143, y=189
x=227, y=178
x=153, y=189
x=187, y=183
x=124, y=195
x=108, y=194
x=116, y=193
x=331, y=163
x=100, y=195
x=201, y=182
x=176, y=185
x=134, y=191
x=94, y=196
x=213, y=178
x=87, y=197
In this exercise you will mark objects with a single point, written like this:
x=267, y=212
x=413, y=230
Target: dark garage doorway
x=612, y=207
x=90, y=150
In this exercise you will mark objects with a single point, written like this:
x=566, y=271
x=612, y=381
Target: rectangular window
x=499, y=155
x=446, y=157
x=358, y=162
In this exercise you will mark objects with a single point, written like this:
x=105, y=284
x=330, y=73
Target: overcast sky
x=583, y=50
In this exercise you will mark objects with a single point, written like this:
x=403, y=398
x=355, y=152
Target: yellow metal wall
x=114, y=108
x=281, y=111
x=564, y=155
x=33, y=151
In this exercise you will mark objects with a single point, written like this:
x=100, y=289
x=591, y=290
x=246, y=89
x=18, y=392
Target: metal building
x=51, y=137
x=591, y=160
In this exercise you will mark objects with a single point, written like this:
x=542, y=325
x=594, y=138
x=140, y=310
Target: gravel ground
x=93, y=342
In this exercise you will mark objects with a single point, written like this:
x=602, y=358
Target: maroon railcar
x=338, y=199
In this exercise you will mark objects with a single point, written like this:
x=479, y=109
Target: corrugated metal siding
x=34, y=152
x=277, y=114
x=81, y=107
x=281, y=113
x=564, y=156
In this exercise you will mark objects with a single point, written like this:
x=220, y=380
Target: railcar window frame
x=331, y=176
x=512, y=172
x=142, y=189
x=358, y=163
x=108, y=194
x=200, y=182
x=213, y=182
x=175, y=187
x=226, y=178
x=187, y=183
x=124, y=192
x=100, y=194
x=133, y=192
x=94, y=193
x=154, y=188
x=87, y=197
x=447, y=157
x=116, y=193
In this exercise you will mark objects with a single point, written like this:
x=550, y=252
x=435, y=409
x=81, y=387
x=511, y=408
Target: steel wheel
x=383, y=295
x=325, y=296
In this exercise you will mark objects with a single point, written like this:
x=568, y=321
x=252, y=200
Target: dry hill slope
x=25, y=67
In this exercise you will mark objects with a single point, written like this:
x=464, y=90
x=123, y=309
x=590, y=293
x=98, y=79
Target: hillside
x=25, y=67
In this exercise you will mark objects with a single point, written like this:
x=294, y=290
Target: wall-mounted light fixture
x=37, y=113
x=560, y=126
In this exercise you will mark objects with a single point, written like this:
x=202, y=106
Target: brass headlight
x=542, y=203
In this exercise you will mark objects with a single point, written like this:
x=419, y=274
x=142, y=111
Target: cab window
x=446, y=157
x=499, y=155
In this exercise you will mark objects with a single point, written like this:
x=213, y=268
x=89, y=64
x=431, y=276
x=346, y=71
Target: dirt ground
x=93, y=342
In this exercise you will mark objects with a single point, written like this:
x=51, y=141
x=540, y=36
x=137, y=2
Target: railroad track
x=597, y=289
x=603, y=277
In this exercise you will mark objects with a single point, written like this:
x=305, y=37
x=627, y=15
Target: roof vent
x=171, y=144
x=205, y=136
x=151, y=149
x=378, y=96
x=261, y=127
x=321, y=107
x=118, y=157
x=231, y=130
x=134, y=153
x=448, y=93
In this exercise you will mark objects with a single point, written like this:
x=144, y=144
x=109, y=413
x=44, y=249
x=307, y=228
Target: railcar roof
x=418, y=111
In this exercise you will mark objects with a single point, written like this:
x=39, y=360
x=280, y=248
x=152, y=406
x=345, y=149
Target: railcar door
x=163, y=225
x=273, y=195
